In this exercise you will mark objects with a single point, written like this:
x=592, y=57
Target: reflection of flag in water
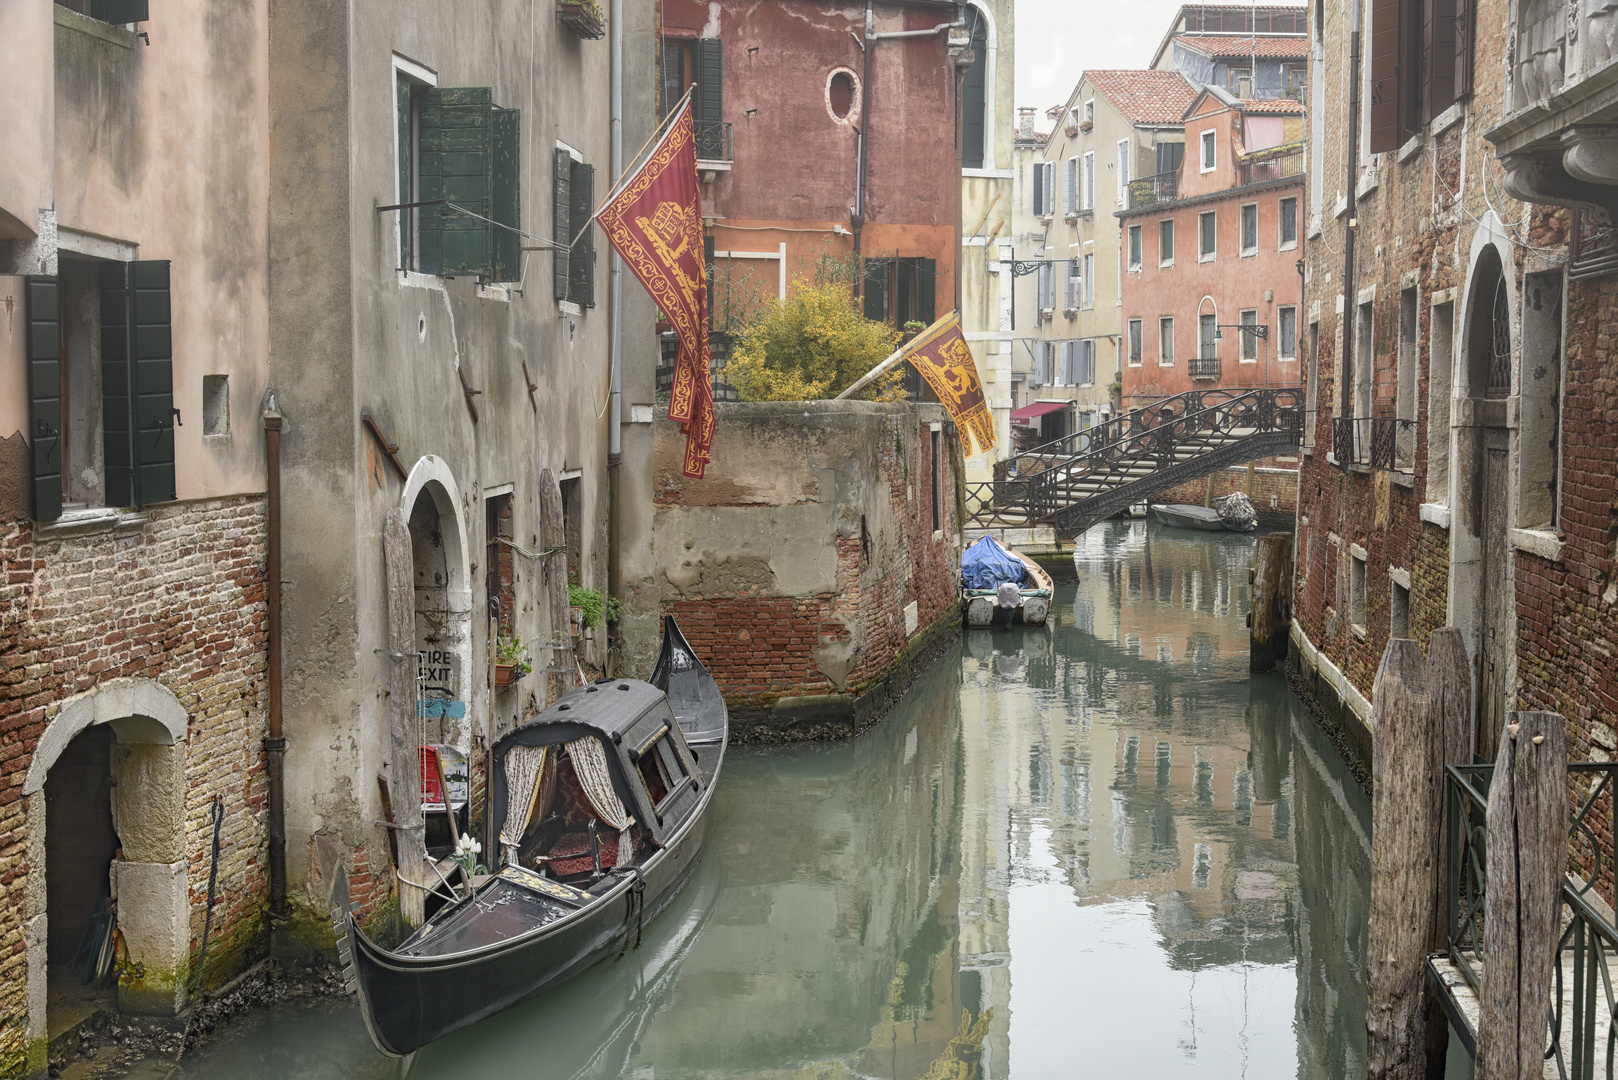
x=941, y=355
x=655, y=222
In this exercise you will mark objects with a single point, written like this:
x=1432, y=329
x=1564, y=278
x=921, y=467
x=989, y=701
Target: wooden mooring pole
x=1270, y=618
x=1528, y=831
x=1420, y=715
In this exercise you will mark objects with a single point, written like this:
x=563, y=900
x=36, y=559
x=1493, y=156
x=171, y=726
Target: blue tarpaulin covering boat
x=986, y=564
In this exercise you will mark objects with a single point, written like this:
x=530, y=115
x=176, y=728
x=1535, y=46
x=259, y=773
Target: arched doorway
x=80, y=843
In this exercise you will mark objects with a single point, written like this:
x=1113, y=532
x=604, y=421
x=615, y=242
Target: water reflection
x=1093, y=847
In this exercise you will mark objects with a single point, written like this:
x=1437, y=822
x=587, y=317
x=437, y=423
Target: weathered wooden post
x=1419, y=709
x=1528, y=830
x=404, y=756
x=1270, y=618
x=559, y=676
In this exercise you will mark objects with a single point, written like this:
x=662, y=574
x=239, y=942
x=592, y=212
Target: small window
x=1090, y=111
x=1239, y=81
x=1249, y=334
x=1165, y=341
x=1135, y=245
x=1089, y=281
x=1289, y=224
x=1135, y=334
x=1207, y=151
x=1123, y=170
x=1206, y=236
x=116, y=12
x=841, y=94
x=1089, y=192
x=573, y=201
x=661, y=770
x=1165, y=242
x=1286, y=347
x=1356, y=593
x=1250, y=229
x=1399, y=612
x=216, y=404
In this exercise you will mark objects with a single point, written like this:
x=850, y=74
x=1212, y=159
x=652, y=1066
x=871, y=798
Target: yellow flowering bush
x=813, y=346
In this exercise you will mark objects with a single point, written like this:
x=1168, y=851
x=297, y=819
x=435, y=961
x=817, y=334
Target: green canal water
x=1098, y=848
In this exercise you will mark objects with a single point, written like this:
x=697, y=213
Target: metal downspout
x=275, y=745
x=857, y=218
x=616, y=345
x=1345, y=380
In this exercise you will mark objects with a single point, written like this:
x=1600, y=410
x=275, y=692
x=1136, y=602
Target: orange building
x=1211, y=289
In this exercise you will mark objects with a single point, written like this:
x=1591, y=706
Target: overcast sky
x=1058, y=39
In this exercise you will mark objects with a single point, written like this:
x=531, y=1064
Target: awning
x=1027, y=413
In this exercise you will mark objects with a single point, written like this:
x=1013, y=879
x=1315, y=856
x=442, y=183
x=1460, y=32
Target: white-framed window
x=1287, y=223
x=1075, y=286
x=1136, y=345
x=1136, y=242
x=1286, y=345
x=1165, y=341
x=1207, y=236
x=1046, y=301
x=1089, y=202
x=1123, y=170
x=1208, y=160
x=1047, y=189
x=1248, y=318
x=1249, y=229
x=1070, y=185
x=1090, y=111
x=1089, y=280
x=1043, y=363
x=1165, y=242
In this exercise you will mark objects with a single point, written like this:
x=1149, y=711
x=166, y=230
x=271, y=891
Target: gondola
x=569, y=887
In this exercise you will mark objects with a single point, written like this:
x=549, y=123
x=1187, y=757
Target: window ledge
x=1313, y=232
x=501, y=293
x=89, y=522
x=1208, y=258
x=1369, y=179
x=1358, y=552
x=1248, y=253
x=108, y=32
x=1358, y=631
x=1403, y=477
x=1341, y=208
x=1411, y=148
x=1290, y=245
x=568, y=307
x=1165, y=265
x=704, y=165
x=1541, y=542
x=1435, y=514
x=1448, y=119
x=412, y=279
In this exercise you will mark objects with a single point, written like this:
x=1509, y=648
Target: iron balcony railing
x=1275, y=163
x=1351, y=440
x=1203, y=367
x=1161, y=187
x=1584, y=1008
x=714, y=141
x=1382, y=442
x=722, y=390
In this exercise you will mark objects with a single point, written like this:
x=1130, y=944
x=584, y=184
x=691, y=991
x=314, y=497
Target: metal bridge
x=1088, y=476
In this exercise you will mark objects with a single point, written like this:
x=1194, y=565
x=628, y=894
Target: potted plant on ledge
x=583, y=17
x=593, y=607
x=511, y=661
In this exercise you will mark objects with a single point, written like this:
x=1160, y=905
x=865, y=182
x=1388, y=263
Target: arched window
x=974, y=93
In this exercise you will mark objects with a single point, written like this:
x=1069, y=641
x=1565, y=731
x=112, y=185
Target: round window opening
x=840, y=94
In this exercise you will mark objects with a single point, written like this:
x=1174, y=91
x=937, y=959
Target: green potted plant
x=511, y=661
x=592, y=608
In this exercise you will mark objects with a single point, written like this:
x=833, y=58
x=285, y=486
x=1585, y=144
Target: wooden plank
x=559, y=669
x=1406, y=821
x=1528, y=827
x=1270, y=617
x=1449, y=684
x=404, y=758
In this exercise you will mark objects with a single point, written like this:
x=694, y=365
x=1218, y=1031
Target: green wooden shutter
x=117, y=382
x=507, y=133
x=1039, y=189
x=45, y=396
x=455, y=126
x=119, y=12
x=154, y=382
x=876, y=290
x=973, y=96
x=927, y=290
x=406, y=189
x=561, y=218
x=710, y=99
x=581, y=282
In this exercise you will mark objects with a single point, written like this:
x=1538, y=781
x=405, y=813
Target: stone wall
x=806, y=568
x=154, y=623
x=1273, y=490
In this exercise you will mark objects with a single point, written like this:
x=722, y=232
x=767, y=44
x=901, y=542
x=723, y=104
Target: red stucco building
x=1212, y=248
x=783, y=93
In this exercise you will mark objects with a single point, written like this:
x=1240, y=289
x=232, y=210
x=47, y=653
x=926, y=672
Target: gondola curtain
x=525, y=765
x=590, y=764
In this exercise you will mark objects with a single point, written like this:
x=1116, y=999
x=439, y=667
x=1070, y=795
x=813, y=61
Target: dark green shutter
x=1039, y=189
x=973, y=96
x=402, y=118
x=561, y=217
x=119, y=12
x=581, y=283
x=507, y=194
x=455, y=126
x=710, y=99
x=876, y=290
x=154, y=382
x=117, y=380
x=927, y=290
x=45, y=396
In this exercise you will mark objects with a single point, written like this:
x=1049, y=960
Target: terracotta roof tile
x=1277, y=106
x=1291, y=47
x=1146, y=96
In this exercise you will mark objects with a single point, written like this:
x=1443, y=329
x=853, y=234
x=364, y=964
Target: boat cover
x=1236, y=511
x=986, y=565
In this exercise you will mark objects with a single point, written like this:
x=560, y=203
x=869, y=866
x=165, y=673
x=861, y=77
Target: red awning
x=1038, y=408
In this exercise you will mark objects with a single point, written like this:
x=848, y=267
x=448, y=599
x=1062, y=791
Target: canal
x=1097, y=848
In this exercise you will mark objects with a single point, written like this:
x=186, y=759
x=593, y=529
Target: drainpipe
x=275, y=745
x=616, y=333
x=1345, y=379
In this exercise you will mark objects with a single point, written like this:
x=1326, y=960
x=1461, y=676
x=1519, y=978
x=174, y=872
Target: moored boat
x=988, y=563
x=601, y=803
x=1188, y=516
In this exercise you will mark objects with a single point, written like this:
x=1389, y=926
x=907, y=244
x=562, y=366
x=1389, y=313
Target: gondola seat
x=570, y=854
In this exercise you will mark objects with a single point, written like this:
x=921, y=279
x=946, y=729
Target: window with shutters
x=974, y=94
x=1123, y=170
x=1165, y=341
x=1046, y=302
x=1089, y=181
x=1089, y=280
x=1165, y=242
x=1045, y=189
x=1288, y=224
x=901, y=290
x=1136, y=333
x=459, y=164
x=1084, y=370
x=1075, y=286
x=1064, y=369
x=572, y=202
x=1421, y=64
x=697, y=64
x=100, y=386
x=1070, y=186
x=1135, y=245
x=1248, y=332
x=1249, y=229
x=117, y=12
x=1287, y=329
x=1042, y=364
x=1208, y=160
x=1207, y=236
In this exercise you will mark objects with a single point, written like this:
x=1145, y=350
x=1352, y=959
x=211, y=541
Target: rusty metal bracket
x=470, y=394
x=390, y=449
x=532, y=386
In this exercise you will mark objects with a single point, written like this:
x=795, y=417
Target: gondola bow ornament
x=654, y=220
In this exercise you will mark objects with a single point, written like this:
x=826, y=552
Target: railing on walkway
x=1589, y=942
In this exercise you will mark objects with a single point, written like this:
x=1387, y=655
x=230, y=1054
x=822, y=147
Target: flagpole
x=613, y=193
x=877, y=372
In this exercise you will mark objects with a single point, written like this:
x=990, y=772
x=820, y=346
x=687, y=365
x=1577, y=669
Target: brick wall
x=1273, y=489
x=177, y=598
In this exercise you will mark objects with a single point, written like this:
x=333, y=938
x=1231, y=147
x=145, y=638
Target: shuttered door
x=582, y=266
x=876, y=290
x=45, y=396
x=1387, y=24
x=710, y=99
x=973, y=95
x=456, y=164
x=561, y=217
x=117, y=387
x=154, y=382
x=507, y=194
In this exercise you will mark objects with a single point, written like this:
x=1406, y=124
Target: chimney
x=1025, y=123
